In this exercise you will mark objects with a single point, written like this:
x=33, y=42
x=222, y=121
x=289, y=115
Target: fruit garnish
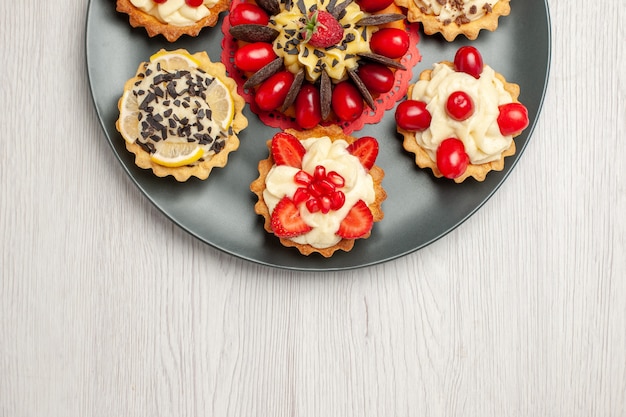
x=513, y=118
x=248, y=13
x=366, y=149
x=308, y=107
x=346, y=101
x=287, y=150
x=357, y=223
x=412, y=115
x=321, y=30
x=177, y=154
x=194, y=3
x=286, y=220
x=390, y=42
x=129, y=112
x=272, y=92
x=254, y=56
x=159, y=1
x=221, y=103
x=459, y=106
x=468, y=60
x=452, y=160
x=373, y=5
x=172, y=61
x=319, y=192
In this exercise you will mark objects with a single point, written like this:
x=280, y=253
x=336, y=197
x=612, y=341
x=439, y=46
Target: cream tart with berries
x=319, y=61
x=452, y=18
x=172, y=18
x=320, y=190
x=180, y=115
x=461, y=117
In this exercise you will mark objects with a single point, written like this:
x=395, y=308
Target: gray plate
x=419, y=209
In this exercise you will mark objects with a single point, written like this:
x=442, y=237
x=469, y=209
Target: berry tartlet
x=320, y=190
x=460, y=118
x=172, y=18
x=180, y=115
x=308, y=62
x=452, y=18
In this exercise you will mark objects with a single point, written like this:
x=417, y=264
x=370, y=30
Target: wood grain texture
x=108, y=309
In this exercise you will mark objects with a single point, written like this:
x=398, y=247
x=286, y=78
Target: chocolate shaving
x=294, y=89
x=326, y=93
x=270, y=6
x=254, y=33
x=264, y=73
x=382, y=60
x=340, y=8
x=380, y=19
x=362, y=88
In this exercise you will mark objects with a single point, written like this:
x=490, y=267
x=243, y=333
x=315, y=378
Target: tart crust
x=202, y=169
x=451, y=30
x=154, y=27
x=334, y=132
x=477, y=171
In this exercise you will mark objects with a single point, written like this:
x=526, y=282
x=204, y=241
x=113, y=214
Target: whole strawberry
x=322, y=30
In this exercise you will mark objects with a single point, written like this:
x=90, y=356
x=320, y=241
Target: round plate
x=220, y=211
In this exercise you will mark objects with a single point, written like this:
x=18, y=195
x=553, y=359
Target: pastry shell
x=477, y=171
x=450, y=30
x=203, y=168
x=154, y=27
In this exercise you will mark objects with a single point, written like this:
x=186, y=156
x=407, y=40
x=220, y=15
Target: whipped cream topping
x=359, y=185
x=451, y=10
x=336, y=60
x=480, y=132
x=175, y=12
x=172, y=108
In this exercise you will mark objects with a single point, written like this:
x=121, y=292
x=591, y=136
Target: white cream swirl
x=337, y=59
x=359, y=185
x=175, y=12
x=480, y=132
x=451, y=10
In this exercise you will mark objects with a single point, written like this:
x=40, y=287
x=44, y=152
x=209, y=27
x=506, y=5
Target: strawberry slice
x=366, y=149
x=286, y=220
x=287, y=150
x=357, y=223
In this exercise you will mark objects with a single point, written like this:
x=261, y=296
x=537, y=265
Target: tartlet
x=452, y=18
x=335, y=73
x=172, y=18
x=180, y=115
x=460, y=119
x=319, y=190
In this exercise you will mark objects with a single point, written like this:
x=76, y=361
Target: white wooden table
x=521, y=311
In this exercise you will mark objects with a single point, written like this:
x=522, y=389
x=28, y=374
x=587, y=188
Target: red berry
x=159, y=1
x=373, y=5
x=272, y=93
x=390, y=42
x=248, y=13
x=468, y=60
x=513, y=118
x=346, y=101
x=322, y=30
x=452, y=160
x=307, y=106
x=459, y=106
x=378, y=78
x=413, y=116
x=194, y=3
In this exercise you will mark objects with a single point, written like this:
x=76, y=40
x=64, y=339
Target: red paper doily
x=277, y=119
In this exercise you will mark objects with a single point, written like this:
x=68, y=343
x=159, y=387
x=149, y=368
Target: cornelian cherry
x=459, y=106
x=194, y=3
x=452, y=160
x=159, y=1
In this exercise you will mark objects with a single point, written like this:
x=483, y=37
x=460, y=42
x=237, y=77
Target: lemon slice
x=172, y=61
x=221, y=103
x=177, y=154
x=129, y=112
